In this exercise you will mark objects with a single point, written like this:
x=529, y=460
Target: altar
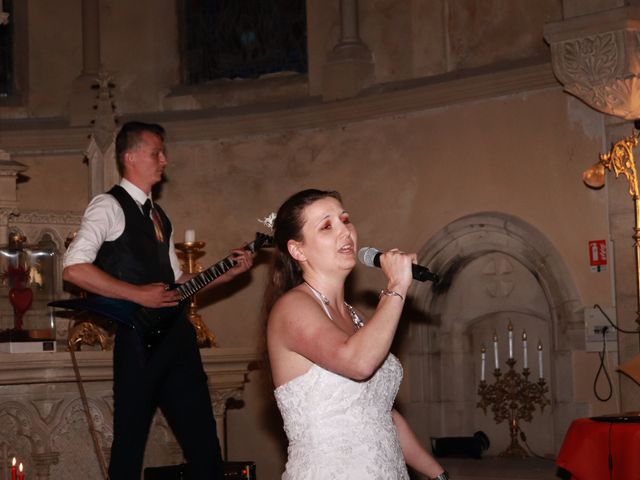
x=43, y=421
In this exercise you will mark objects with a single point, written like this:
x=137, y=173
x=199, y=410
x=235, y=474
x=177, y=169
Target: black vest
x=137, y=256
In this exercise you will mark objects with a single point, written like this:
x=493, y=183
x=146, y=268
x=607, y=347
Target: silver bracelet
x=391, y=293
x=443, y=476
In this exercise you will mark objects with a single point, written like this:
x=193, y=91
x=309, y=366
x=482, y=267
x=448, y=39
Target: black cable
x=603, y=368
x=613, y=324
x=523, y=437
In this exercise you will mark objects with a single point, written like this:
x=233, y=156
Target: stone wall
x=464, y=118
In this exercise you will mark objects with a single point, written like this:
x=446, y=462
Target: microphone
x=371, y=258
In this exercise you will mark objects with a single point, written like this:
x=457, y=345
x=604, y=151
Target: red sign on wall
x=598, y=255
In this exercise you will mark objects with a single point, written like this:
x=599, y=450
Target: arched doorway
x=495, y=268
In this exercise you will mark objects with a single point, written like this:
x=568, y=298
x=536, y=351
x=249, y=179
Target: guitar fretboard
x=204, y=278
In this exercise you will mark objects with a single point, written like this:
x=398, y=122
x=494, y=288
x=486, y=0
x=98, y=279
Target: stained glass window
x=242, y=38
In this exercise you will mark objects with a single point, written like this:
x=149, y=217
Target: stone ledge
x=226, y=367
x=30, y=138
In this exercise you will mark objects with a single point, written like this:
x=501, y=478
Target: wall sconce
x=620, y=161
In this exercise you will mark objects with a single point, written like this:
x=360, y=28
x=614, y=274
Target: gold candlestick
x=189, y=252
x=513, y=397
x=620, y=161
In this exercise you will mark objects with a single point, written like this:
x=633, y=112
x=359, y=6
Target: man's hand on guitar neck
x=243, y=261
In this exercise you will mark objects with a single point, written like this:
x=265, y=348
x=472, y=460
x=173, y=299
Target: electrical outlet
x=595, y=324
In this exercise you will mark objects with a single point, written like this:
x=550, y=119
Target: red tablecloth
x=587, y=444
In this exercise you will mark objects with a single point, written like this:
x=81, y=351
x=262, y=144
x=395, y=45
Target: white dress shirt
x=103, y=221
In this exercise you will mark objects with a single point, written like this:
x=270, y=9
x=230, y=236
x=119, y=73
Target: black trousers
x=173, y=379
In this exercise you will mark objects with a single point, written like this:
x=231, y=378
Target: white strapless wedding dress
x=342, y=429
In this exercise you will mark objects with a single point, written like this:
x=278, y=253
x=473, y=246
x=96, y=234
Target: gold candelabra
x=189, y=252
x=620, y=161
x=512, y=396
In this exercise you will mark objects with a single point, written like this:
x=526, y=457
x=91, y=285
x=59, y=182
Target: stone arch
x=21, y=426
x=70, y=430
x=449, y=253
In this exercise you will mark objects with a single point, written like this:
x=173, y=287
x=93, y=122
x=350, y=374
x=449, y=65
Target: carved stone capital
x=43, y=463
x=596, y=58
x=220, y=398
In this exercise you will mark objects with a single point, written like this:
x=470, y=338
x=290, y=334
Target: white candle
x=525, y=360
x=495, y=350
x=540, y=359
x=189, y=236
x=510, y=328
x=483, y=357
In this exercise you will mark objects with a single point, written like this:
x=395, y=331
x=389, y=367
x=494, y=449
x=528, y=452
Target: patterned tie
x=151, y=212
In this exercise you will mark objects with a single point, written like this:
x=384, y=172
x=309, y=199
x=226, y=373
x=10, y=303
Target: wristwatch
x=443, y=476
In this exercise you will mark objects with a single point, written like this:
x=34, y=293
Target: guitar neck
x=204, y=278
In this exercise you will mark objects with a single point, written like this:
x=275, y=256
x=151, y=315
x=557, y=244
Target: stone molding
x=48, y=217
x=42, y=420
x=378, y=101
x=34, y=224
x=595, y=57
x=226, y=367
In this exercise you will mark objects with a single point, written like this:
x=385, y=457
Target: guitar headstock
x=262, y=240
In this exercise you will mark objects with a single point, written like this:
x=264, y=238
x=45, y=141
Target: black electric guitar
x=152, y=323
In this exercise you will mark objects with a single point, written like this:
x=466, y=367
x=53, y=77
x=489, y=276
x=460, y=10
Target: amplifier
x=232, y=471
x=240, y=471
x=628, y=417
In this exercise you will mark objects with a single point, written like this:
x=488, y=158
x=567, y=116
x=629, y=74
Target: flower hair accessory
x=269, y=220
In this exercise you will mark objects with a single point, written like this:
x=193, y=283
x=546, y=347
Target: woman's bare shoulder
x=291, y=304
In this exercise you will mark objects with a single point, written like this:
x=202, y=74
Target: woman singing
x=334, y=376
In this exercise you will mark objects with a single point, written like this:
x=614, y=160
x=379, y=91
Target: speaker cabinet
x=232, y=471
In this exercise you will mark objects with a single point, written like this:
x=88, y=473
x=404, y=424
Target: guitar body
x=122, y=311
x=152, y=323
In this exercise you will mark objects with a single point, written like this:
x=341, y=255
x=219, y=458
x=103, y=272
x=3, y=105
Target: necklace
x=322, y=298
x=355, y=318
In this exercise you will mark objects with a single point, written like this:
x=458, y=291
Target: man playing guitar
x=124, y=251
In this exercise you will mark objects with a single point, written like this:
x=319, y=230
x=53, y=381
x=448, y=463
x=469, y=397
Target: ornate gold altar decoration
x=189, y=252
x=620, y=161
x=87, y=329
x=513, y=397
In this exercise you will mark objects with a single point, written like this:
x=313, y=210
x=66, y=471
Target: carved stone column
x=43, y=463
x=101, y=149
x=597, y=58
x=349, y=66
x=9, y=171
x=82, y=98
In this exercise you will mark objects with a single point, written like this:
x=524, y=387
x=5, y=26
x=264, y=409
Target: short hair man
x=124, y=250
